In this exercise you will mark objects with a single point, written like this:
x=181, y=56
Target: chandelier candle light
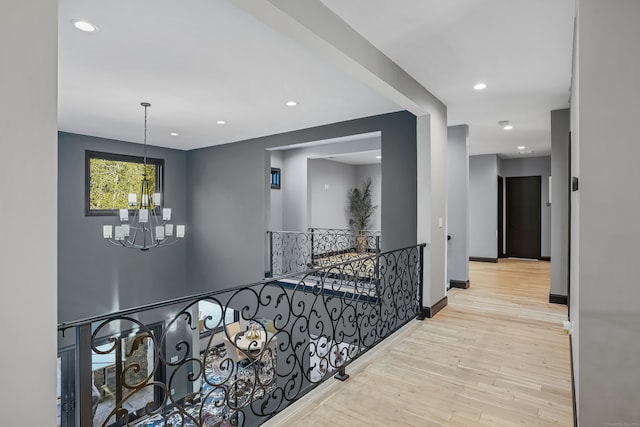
x=149, y=226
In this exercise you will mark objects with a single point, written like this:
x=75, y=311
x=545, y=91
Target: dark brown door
x=523, y=217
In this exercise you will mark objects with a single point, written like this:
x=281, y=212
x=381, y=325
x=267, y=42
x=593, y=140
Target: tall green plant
x=360, y=207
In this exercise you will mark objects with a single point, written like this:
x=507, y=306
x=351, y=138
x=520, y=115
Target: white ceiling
x=199, y=61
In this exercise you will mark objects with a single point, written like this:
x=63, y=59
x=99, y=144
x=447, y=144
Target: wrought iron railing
x=238, y=356
x=297, y=251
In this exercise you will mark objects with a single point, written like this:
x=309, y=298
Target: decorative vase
x=361, y=243
x=253, y=333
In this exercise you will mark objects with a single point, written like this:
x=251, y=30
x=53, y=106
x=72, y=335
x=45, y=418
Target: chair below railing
x=239, y=356
x=297, y=251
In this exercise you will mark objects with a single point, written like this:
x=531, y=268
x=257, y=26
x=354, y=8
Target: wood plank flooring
x=495, y=356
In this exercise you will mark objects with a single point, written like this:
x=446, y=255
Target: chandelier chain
x=145, y=105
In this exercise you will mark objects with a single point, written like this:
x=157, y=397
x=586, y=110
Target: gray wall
x=328, y=206
x=329, y=183
x=219, y=185
x=458, y=204
x=560, y=201
x=296, y=196
x=94, y=276
x=227, y=208
x=535, y=166
x=295, y=203
x=431, y=156
x=483, y=199
x=28, y=114
x=574, y=219
x=606, y=92
x=483, y=206
x=276, y=212
x=227, y=204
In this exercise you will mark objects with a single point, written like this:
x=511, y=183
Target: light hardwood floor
x=495, y=356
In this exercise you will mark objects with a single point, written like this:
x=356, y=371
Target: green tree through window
x=111, y=177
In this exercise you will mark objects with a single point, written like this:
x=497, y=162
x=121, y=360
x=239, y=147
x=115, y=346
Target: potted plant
x=360, y=210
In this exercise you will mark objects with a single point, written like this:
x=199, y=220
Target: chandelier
x=146, y=223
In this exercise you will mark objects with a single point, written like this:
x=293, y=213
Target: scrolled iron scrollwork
x=293, y=332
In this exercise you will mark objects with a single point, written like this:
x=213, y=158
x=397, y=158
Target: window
x=139, y=364
x=275, y=178
x=111, y=177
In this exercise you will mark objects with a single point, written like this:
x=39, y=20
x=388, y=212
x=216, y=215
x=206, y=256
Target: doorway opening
x=523, y=217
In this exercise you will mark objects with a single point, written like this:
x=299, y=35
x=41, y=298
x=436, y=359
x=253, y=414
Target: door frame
x=67, y=383
x=501, y=223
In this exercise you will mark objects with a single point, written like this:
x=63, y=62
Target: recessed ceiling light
x=505, y=124
x=174, y=134
x=480, y=86
x=521, y=147
x=84, y=25
x=378, y=157
x=291, y=103
x=221, y=122
x=508, y=127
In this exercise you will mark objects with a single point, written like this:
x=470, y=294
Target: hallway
x=495, y=356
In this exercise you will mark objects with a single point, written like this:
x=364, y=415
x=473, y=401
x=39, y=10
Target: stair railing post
x=377, y=267
x=84, y=387
x=270, y=233
x=421, y=314
x=342, y=374
x=312, y=245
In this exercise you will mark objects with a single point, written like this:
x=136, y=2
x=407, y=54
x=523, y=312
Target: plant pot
x=361, y=243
